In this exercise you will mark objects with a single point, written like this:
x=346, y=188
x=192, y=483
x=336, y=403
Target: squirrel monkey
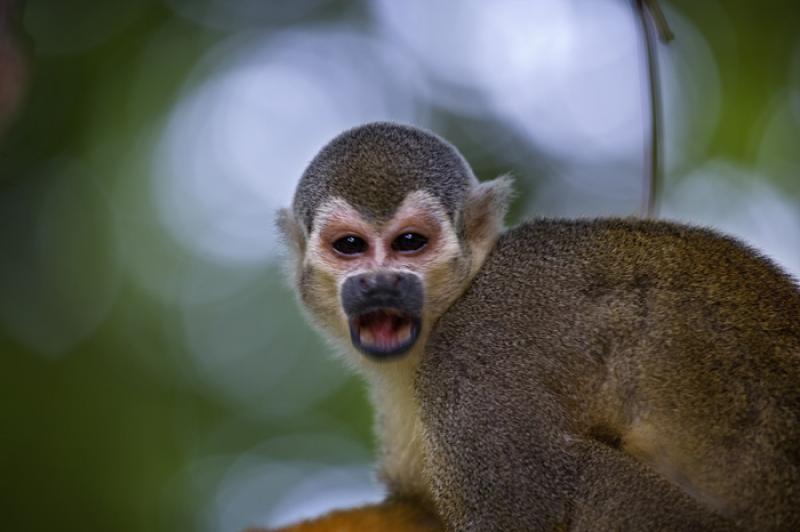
x=611, y=374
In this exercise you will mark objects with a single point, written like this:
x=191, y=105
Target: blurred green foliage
x=104, y=421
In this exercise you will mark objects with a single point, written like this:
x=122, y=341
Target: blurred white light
x=330, y=489
x=237, y=143
x=568, y=74
x=729, y=198
x=691, y=96
x=585, y=103
x=586, y=189
x=691, y=92
x=269, y=487
x=564, y=72
x=280, y=493
x=479, y=45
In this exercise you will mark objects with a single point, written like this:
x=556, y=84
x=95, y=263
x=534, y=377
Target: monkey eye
x=350, y=245
x=409, y=242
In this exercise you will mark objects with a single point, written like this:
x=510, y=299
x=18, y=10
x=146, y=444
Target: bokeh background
x=156, y=373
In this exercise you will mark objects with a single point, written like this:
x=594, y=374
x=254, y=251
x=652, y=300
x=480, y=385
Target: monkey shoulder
x=561, y=260
x=617, y=330
x=578, y=294
x=613, y=242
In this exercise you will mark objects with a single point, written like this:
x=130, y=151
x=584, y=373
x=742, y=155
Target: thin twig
x=652, y=19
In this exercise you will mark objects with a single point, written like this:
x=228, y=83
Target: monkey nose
x=401, y=290
x=368, y=281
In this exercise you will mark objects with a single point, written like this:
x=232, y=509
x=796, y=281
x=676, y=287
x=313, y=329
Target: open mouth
x=384, y=332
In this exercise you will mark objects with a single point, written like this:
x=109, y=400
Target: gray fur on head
x=374, y=166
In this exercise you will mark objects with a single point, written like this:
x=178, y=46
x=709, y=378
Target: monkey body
x=576, y=375
x=664, y=348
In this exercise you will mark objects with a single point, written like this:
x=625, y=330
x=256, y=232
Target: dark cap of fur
x=374, y=166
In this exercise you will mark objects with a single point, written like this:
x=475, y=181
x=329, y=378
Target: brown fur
x=585, y=375
x=644, y=374
x=388, y=161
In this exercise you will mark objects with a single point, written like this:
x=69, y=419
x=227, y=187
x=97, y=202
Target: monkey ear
x=292, y=232
x=485, y=209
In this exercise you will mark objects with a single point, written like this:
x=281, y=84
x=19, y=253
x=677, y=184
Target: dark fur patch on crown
x=374, y=166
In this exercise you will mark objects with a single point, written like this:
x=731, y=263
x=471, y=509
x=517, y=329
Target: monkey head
x=387, y=227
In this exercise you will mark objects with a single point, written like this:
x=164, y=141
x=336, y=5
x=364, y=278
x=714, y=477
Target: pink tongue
x=383, y=330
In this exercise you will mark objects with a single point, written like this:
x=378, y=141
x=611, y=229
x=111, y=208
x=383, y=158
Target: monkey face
x=379, y=285
x=387, y=227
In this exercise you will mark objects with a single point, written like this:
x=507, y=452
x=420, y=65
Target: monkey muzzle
x=384, y=311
